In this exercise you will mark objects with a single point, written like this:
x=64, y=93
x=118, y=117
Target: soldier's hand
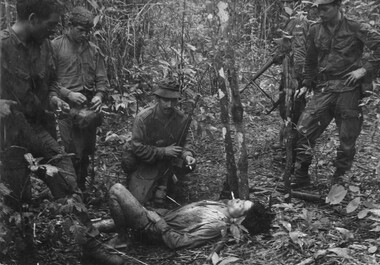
x=190, y=161
x=300, y=92
x=173, y=151
x=77, y=98
x=59, y=104
x=354, y=76
x=96, y=103
x=6, y=107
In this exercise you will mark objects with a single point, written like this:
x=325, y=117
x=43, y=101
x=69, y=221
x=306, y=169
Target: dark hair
x=81, y=16
x=42, y=8
x=258, y=219
x=337, y=2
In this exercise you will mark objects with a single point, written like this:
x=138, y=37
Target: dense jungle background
x=198, y=42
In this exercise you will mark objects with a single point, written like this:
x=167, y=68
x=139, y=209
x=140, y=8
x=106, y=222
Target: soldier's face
x=288, y=4
x=328, y=12
x=44, y=28
x=79, y=33
x=167, y=105
x=237, y=208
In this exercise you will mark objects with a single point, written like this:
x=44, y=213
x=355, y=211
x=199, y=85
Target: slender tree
x=230, y=101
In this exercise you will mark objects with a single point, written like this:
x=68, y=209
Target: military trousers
x=319, y=112
x=23, y=137
x=81, y=142
x=130, y=163
x=128, y=213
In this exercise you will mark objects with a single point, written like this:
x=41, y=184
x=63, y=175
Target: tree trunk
x=289, y=126
x=231, y=176
x=237, y=176
x=237, y=117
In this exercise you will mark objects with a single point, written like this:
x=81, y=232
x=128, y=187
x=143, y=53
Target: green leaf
x=4, y=190
x=336, y=194
x=354, y=188
x=376, y=229
x=363, y=213
x=215, y=258
x=375, y=212
x=341, y=252
x=372, y=249
x=353, y=205
x=347, y=234
x=235, y=231
x=228, y=260
x=286, y=225
x=296, y=237
x=242, y=227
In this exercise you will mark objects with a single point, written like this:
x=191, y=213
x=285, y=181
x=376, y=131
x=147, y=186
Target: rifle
x=268, y=64
x=143, y=180
x=278, y=102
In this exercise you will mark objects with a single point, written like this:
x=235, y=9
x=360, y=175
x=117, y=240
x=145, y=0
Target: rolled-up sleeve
x=371, y=40
x=101, y=80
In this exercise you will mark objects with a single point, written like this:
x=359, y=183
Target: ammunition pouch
x=85, y=118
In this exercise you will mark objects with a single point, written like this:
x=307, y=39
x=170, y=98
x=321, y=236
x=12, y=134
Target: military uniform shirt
x=151, y=134
x=331, y=55
x=27, y=72
x=79, y=69
x=194, y=224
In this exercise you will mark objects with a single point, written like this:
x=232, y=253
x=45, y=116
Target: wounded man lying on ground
x=188, y=226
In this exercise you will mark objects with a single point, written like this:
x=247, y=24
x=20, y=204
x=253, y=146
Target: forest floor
x=303, y=232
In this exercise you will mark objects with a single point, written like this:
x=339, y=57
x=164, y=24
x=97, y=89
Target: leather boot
x=301, y=178
x=97, y=253
x=337, y=178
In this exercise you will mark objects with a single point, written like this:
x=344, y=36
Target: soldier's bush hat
x=167, y=89
x=81, y=16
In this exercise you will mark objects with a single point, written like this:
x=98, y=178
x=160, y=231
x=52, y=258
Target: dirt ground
x=303, y=232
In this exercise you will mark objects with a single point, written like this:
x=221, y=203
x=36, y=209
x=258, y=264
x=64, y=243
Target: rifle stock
x=182, y=138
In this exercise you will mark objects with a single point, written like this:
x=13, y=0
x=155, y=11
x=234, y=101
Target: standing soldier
x=293, y=45
x=27, y=78
x=82, y=73
x=334, y=64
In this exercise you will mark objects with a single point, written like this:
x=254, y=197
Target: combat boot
x=97, y=253
x=301, y=178
x=338, y=177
